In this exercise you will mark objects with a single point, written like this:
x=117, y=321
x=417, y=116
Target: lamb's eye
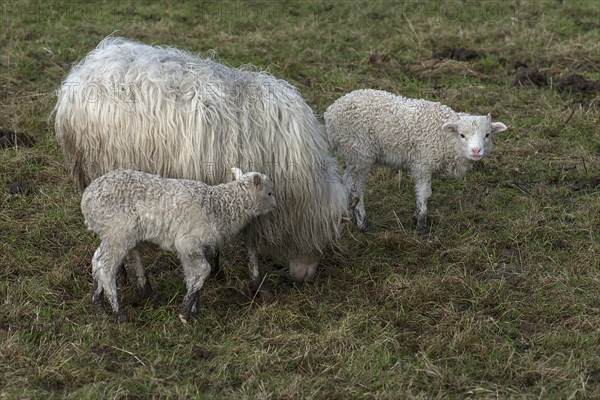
x=462, y=136
x=487, y=135
x=270, y=193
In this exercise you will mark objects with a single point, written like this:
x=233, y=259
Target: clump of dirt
x=20, y=187
x=457, y=53
x=581, y=184
x=376, y=58
x=530, y=77
x=200, y=353
x=579, y=84
x=10, y=139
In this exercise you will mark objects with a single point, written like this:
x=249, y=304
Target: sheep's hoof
x=261, y=290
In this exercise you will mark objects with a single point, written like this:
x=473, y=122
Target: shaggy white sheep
x=125, y=207
x=165, y=111
x=373, y=127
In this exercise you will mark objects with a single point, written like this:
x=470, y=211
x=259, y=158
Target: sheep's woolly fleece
x=165, y=111
x=373, y=126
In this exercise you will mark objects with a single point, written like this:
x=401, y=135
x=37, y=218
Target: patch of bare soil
x=457, y=53
x=20, y=187
x=577, y=83
x=10, y=139
x=582, y=184
x=378, y=59
x=530, y=77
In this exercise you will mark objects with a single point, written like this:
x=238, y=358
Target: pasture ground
x=502, y=303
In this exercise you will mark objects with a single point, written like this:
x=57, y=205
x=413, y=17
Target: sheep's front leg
x=355, y=179
x=135, y=260
x=422, y=193
x=196, y=269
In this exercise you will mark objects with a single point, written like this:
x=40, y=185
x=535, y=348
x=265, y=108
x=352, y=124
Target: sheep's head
x=474, y=134
x=261, y=188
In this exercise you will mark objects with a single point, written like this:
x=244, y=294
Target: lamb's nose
x=475, y=150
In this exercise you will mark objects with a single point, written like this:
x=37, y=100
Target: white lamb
x=373, y=127
x=125, y=207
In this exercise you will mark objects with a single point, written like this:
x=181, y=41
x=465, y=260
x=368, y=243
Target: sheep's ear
x=498, y=127
x=237, y=173
x=450, y=127
x=256, y=180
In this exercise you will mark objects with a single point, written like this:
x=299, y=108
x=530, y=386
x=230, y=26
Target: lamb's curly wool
x=165, y=111
x=125, y=207
x=373, y=127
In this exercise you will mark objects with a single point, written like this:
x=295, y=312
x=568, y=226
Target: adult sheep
x=164, y=111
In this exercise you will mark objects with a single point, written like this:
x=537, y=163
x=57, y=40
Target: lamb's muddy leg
x=196, y=269
x=134, y=259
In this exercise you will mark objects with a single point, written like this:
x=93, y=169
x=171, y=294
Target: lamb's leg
x=355, y=178
x=105, y=263
x=196, y=269
x=257, y=286
x=212, y=256
x=423, y=193
x=122, y=278
x=97, y=288
x=135, y=260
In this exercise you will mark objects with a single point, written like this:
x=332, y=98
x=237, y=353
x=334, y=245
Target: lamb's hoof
x=122, y=317
x=423, y=230
x=98, y=308
x=364, y=225
x=97, y=304
x=184, y=318
x=147, y=292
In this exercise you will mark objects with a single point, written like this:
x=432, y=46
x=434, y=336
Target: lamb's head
x=474, y=134
x=260, y=188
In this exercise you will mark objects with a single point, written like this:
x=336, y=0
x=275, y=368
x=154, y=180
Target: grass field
x=503, y=303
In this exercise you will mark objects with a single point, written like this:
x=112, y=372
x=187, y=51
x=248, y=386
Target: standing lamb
x=373, y=127
x=125, y=207
x=165, y=111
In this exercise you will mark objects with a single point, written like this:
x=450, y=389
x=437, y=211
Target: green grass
x=503, y=303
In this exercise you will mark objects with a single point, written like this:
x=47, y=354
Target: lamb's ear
x=237, y=173
x=450, y=127
x=498, y=127
x=256, y=180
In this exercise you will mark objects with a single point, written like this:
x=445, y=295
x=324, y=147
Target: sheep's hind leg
x=105, y=263
x=196, y=269
x=422, y=193
x=134, y=259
